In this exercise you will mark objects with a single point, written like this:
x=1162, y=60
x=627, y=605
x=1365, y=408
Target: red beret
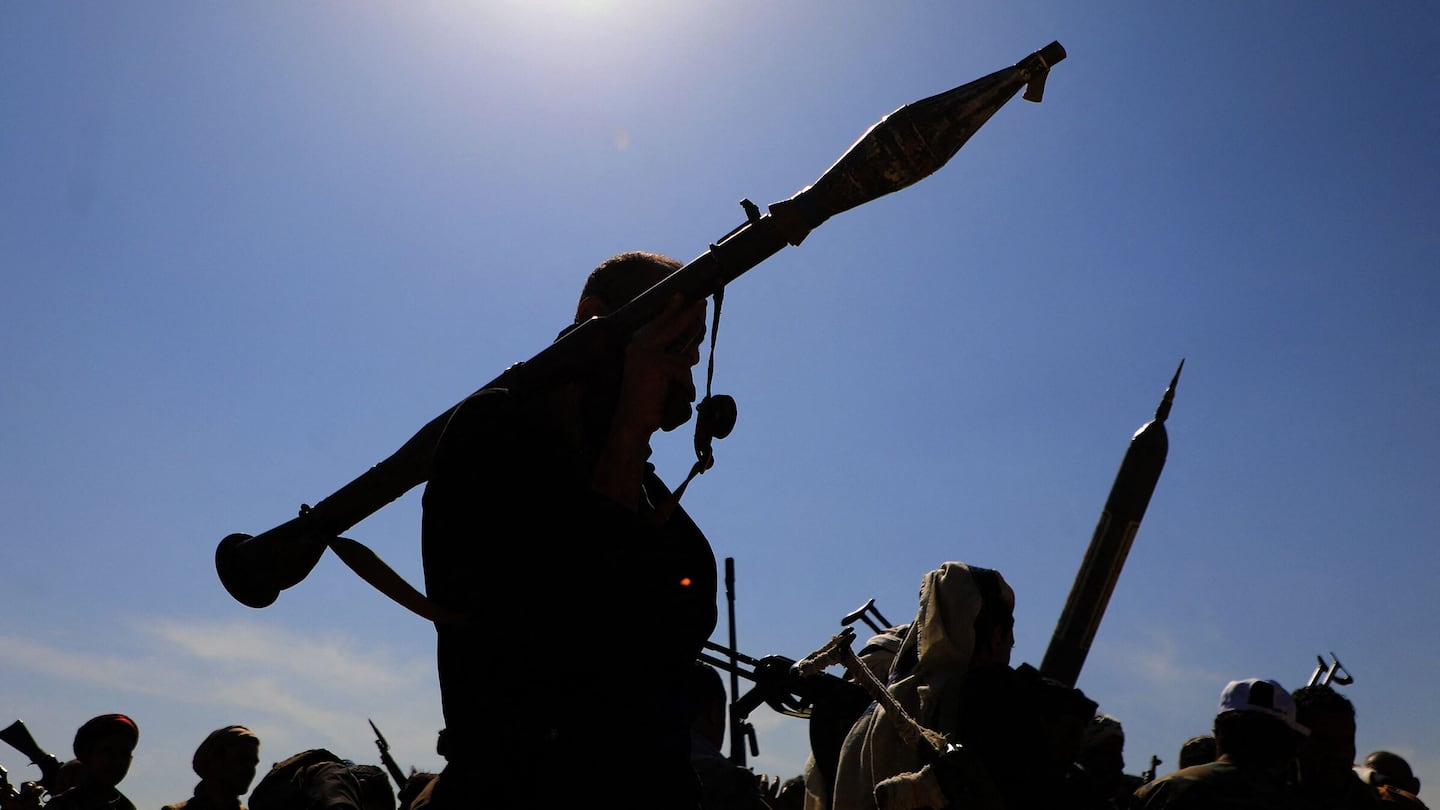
x=103, y=726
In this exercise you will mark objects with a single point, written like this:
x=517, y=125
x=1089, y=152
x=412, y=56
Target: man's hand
x=30, y=796
x=781, y=794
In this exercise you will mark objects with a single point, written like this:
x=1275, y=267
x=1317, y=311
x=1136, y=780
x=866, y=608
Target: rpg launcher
x=1110, y=544
x=903, y=148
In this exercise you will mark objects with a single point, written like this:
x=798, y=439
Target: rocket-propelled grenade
x=914, y=141
x=901, y=149
x=1114, y=534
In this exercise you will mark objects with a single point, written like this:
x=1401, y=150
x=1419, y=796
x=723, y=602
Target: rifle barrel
x=396, y=773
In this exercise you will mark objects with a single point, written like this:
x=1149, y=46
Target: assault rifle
x=390, y=764
x=18, y=736
x=1327, y=674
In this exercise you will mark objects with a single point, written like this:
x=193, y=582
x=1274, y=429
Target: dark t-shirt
x=586, y=617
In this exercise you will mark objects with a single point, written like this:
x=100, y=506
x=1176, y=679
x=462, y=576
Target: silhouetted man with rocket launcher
x=903, y=148
x=549, y=465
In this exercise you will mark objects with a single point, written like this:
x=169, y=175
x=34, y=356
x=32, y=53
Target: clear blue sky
x=249, y=248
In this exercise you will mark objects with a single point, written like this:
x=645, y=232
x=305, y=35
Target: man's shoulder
x=490, y=423
x=81, y=798
x=488, y=406
x=1206, y=784
x=1403, y=798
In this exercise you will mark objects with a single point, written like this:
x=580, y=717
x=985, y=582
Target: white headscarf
x=943, y=640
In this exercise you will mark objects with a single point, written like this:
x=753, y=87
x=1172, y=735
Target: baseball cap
x=1262, y=696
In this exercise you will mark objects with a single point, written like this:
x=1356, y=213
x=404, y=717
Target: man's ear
x=590, y=307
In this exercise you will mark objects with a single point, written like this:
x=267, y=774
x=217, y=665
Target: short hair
x=1320, y=698
x=1255, y=738
x=1197, y=750
x=1393, y=770
x=621, y=278
x=704, y=688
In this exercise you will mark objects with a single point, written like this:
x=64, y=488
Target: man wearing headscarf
x=103, y=747
x=225, y=761
x=965, y=621
x=1010, y=735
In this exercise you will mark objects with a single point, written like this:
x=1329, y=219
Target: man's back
x=1217, y=785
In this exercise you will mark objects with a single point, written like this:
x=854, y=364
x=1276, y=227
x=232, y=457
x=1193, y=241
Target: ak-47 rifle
x=901, y=149
x=1330, y=673
x=863, y=612
x=776, y=682
x=390, y=764
x=18, y=736
x=800, y=689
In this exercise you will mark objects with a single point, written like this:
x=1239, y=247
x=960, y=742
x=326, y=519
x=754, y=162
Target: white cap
x=1263, y=696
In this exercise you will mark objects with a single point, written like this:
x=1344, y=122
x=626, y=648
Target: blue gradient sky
x=249, y=248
